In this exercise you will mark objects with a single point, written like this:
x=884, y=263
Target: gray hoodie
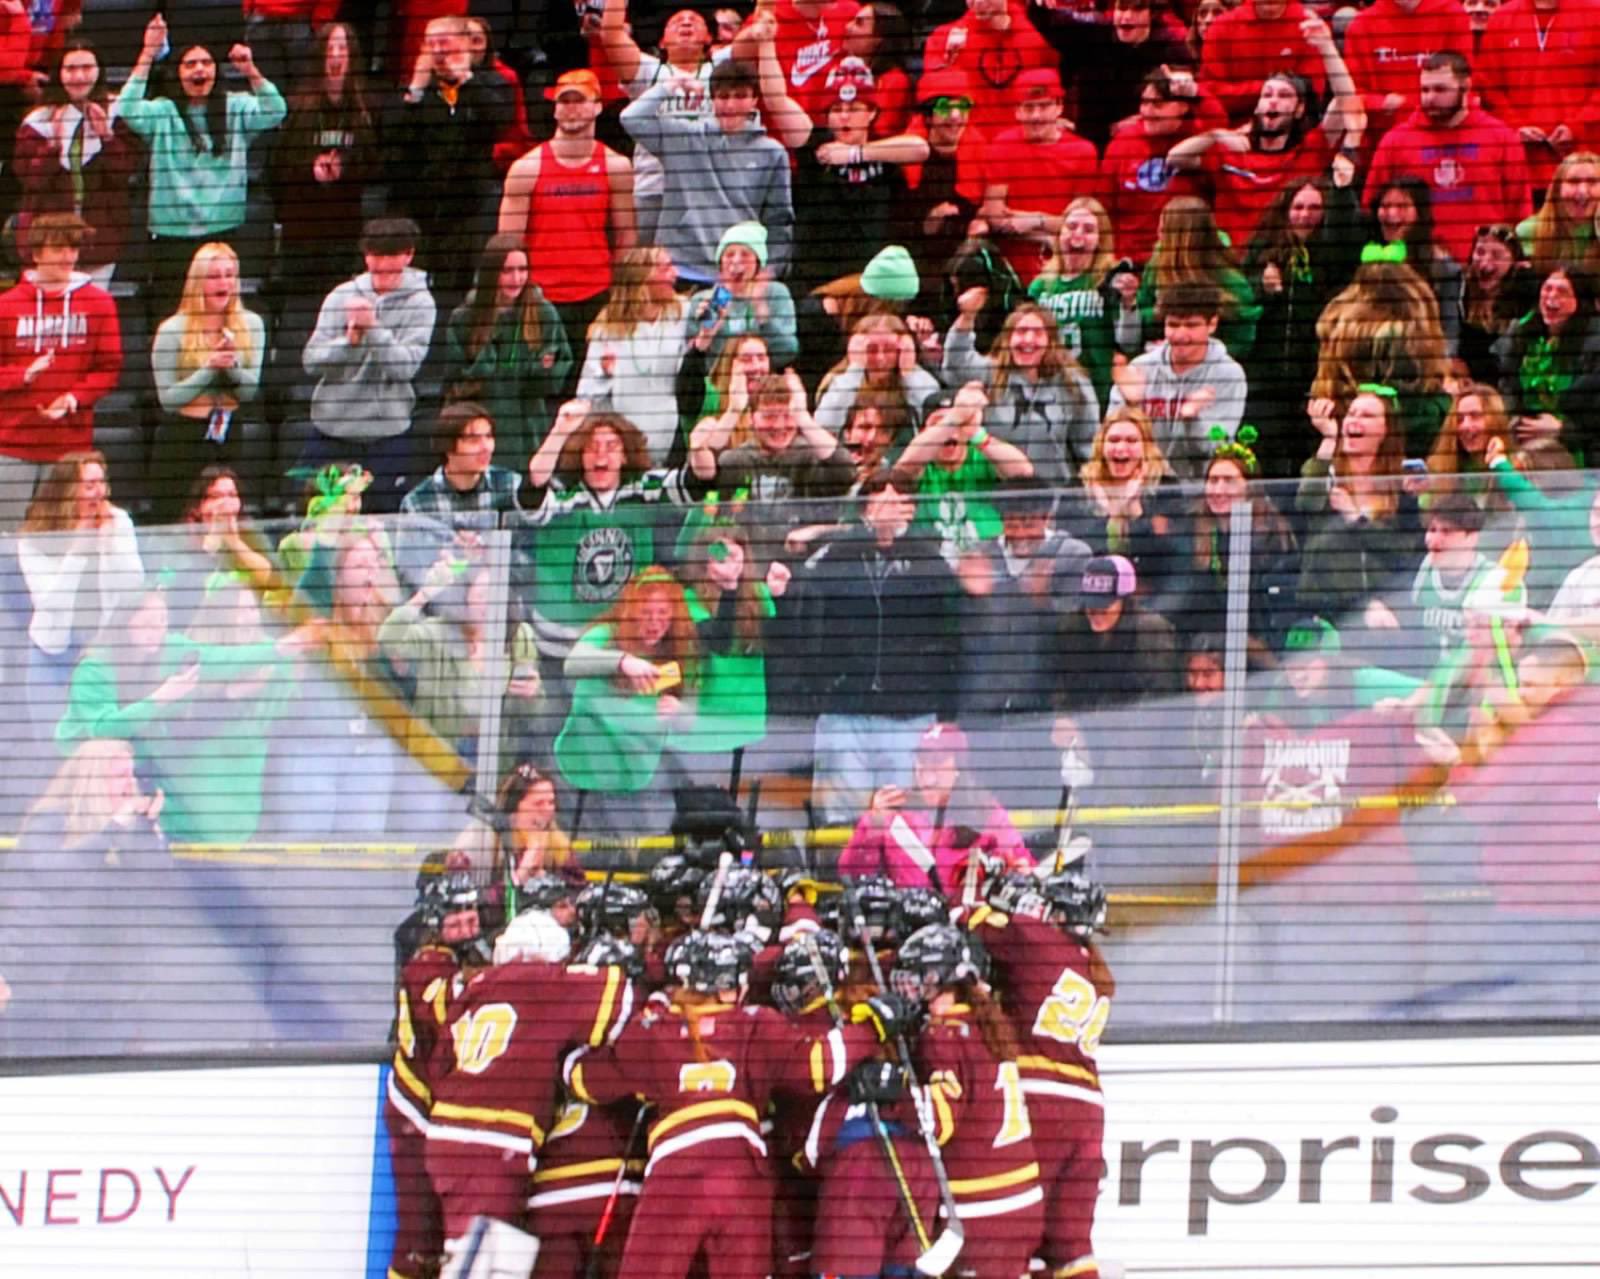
x=1053, y=420
x=1186, y=442
x=364, y=391
x=712, y=180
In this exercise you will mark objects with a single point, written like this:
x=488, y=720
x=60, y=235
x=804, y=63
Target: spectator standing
x=879, y=38
x=1303, y=252
x=1283, y=142
x=634, y=673
x=809, y=41
x=994, y=44
x=1193, y=250
x=1137, y=177
x=885, y=619
x=718, y=172
x=199, y=141
x=571, y=198
x=207, y=364
x=881, y=358
x=60, y=351
x=371, y=338
x=1033, y=171
x=685, y=56
x=1040, y=399
x=1478, y=14
x=508, y=350
x=1257, y=40
x=1187, y=383
x=515, y=139
x=1499, y=288
x=1473, y=162
x=441, y=135
x=1076, y=287
x=321, y=165
x=1127, y=505
x=1385, y=44
x=636, y=346
x=848, y=178
x=80, y=559
x=1402, y=211
x=71, y=158
x=942, y=193
x=1537, y=69
x=1563, y=229
x=1550, y=364
x=1107, y=61
x=466, y=478
x=1477, y=416
x=745, y=299
x=1113, y=651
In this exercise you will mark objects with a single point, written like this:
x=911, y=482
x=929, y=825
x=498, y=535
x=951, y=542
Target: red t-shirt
x=1039, y=177
x=1476, y=171
x=1247, y=182
x=1138, y=182
x=809, y=47
x=992, y=61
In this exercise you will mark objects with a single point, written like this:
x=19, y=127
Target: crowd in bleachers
x=830, y=364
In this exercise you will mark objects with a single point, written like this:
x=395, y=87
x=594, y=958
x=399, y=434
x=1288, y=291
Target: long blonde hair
x=1445, y=457
x=54, y=507
x=630, y=303
x=1555, y=240
x=1105, y=252
x=195, y=346
x=1190, y=248
x=1058, y=362
x=1380, y=327
x=79, y=790
x=1097, y=472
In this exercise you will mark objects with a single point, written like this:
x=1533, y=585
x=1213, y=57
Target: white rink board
x=1436, y=1173
x=278, y=1163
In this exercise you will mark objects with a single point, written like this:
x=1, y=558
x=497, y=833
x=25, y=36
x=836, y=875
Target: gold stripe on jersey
x=1050, y=1067
x=410, y=1082
x=591, y=1167
x=608, y=1002
x=819, y=1069
x=703, y=1110
x=945, y=1125
x=999, y=1181
x=517, y=1119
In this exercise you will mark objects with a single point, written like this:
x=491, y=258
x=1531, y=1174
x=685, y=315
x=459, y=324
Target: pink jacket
x=895, y=847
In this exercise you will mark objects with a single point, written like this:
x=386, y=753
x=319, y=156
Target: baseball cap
x=943, y=82
x=581, y=81
x=1040, y=82
x=1108, y=577
x=943, y=739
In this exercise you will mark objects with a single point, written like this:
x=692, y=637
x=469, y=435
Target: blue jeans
x=856, y=754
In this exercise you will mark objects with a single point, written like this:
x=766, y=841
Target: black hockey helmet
x=875, y=898
x=794, y=978
x=604, y=950
x=750, y=902
x=545, y=891
x=934, y=957
x=673, y=879
x=914, y=909
x=460, y=904
x=613, y=908
x=709, y=963
x=1068, y=898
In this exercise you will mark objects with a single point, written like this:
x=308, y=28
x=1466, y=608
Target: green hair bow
x=1375, y=252
x=1380, y=390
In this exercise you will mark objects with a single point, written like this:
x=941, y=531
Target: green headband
x=1237, y=448
x=1395, y=253
x=1380, y=390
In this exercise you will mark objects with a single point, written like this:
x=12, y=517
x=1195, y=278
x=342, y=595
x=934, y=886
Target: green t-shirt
x=585, y=556
x=953, y=505
x=612, y=740
x=1085, y=322
x=731, y=708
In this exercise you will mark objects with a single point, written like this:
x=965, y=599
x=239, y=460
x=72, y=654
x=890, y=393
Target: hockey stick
x=927, y=1262
x=949, y=1244
x=714, y=897
x=591, y=1269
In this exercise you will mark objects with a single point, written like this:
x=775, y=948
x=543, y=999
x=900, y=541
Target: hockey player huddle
x=720, y=1073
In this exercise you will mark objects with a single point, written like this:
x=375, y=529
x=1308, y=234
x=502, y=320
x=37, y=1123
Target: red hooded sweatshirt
x=1540, y=69
x=79, y=324
x=1475, y=170
x=1242, y=49
x=1386, y=46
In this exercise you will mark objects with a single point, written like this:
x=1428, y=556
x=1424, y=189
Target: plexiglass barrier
x=1334, y=759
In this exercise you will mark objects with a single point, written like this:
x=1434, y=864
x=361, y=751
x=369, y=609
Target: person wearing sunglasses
x=943, y=192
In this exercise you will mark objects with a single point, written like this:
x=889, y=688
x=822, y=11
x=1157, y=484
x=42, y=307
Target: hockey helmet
x=794, y=977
